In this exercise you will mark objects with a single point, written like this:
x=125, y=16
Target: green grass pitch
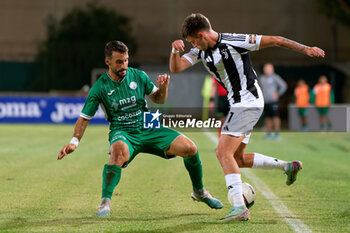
x=40, y=194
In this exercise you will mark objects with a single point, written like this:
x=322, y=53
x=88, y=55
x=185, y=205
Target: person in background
x=272, y=86
x=324, y=97
x=302, y=99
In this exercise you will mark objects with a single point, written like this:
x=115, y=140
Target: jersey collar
x=217, y=43
x=117, y=81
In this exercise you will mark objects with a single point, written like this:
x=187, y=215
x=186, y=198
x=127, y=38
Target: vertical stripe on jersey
x=231, y=71
x=248, y=70
x=209, y=59
x=250, y=74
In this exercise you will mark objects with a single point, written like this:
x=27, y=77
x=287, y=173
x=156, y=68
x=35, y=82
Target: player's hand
x=163, y=81
x=67, y=149
x=315, y=52
x=178, y=45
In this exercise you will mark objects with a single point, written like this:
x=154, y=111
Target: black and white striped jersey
x=229, y=62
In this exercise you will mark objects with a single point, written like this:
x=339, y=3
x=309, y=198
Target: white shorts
x=242, y=118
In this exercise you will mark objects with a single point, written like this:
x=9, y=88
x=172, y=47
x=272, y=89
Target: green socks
x=112, y=173
x=194, y=167
x=111, y=177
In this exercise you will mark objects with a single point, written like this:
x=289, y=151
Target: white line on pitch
x=296, y=224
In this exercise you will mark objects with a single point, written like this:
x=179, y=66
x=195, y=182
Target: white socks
x=266, y=162
x=234, y=184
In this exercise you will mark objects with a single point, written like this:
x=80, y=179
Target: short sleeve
x=249, y=42
x=150, y=88
x=193, y=56
x=91, y=105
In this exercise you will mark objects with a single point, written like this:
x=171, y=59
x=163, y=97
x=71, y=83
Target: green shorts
x=153, y=141
x=302, y=111
x=323, y=110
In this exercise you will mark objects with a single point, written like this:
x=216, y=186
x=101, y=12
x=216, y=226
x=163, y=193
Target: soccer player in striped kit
x=226, y=57
x=121, y=92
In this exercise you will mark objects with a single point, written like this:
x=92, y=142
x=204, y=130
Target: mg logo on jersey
x=128, y=100
x=151, y=120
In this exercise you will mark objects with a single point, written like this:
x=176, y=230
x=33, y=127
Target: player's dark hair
x=116, y=46
x=193, y=24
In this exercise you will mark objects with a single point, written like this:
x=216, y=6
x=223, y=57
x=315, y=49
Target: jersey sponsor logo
x=111, y=92
x=133, y=85
x=252, y=39
x=129, y=116
x=151, y=120
x=128, y=100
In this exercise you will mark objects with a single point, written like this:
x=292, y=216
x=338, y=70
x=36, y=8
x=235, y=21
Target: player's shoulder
x=101, y=81
x=231, y=37
x=137, y=72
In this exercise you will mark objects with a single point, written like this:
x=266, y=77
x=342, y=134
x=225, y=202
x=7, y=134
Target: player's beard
x=119, y=73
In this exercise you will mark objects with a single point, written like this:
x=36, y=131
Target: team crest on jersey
x=133, y=85
x=224, y=53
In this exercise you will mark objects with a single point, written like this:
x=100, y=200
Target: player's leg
x=228, y=144
x=256, y=160
x=239, y=123
x=120, y=150
x=184, y=147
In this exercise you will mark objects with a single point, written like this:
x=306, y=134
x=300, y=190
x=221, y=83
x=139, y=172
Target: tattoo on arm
x=290, y=44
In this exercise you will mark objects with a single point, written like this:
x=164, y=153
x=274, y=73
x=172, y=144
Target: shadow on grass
x=18, y=223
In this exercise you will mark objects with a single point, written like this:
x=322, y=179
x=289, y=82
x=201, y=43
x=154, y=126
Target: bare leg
x=244, y=160
x=227, y=147
x=119, y=154
x=182, y=146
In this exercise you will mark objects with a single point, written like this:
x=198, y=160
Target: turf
x=40, y=194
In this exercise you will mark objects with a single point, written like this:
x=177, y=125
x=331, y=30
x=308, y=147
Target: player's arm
x=272, y=41
x=178, y=64
x=160, y=95
x=78, y=133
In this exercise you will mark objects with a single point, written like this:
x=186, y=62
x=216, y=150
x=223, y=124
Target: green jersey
x=123, y=102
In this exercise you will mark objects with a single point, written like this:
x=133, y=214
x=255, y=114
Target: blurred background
x=51, y=50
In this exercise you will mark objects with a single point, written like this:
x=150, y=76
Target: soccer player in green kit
x=121, y=93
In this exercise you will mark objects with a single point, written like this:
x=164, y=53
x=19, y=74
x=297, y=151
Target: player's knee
x=219, y=153
x=190, y=149
x=119, y=153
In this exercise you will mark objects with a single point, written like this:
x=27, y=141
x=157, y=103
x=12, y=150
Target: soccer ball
x=248, y=193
